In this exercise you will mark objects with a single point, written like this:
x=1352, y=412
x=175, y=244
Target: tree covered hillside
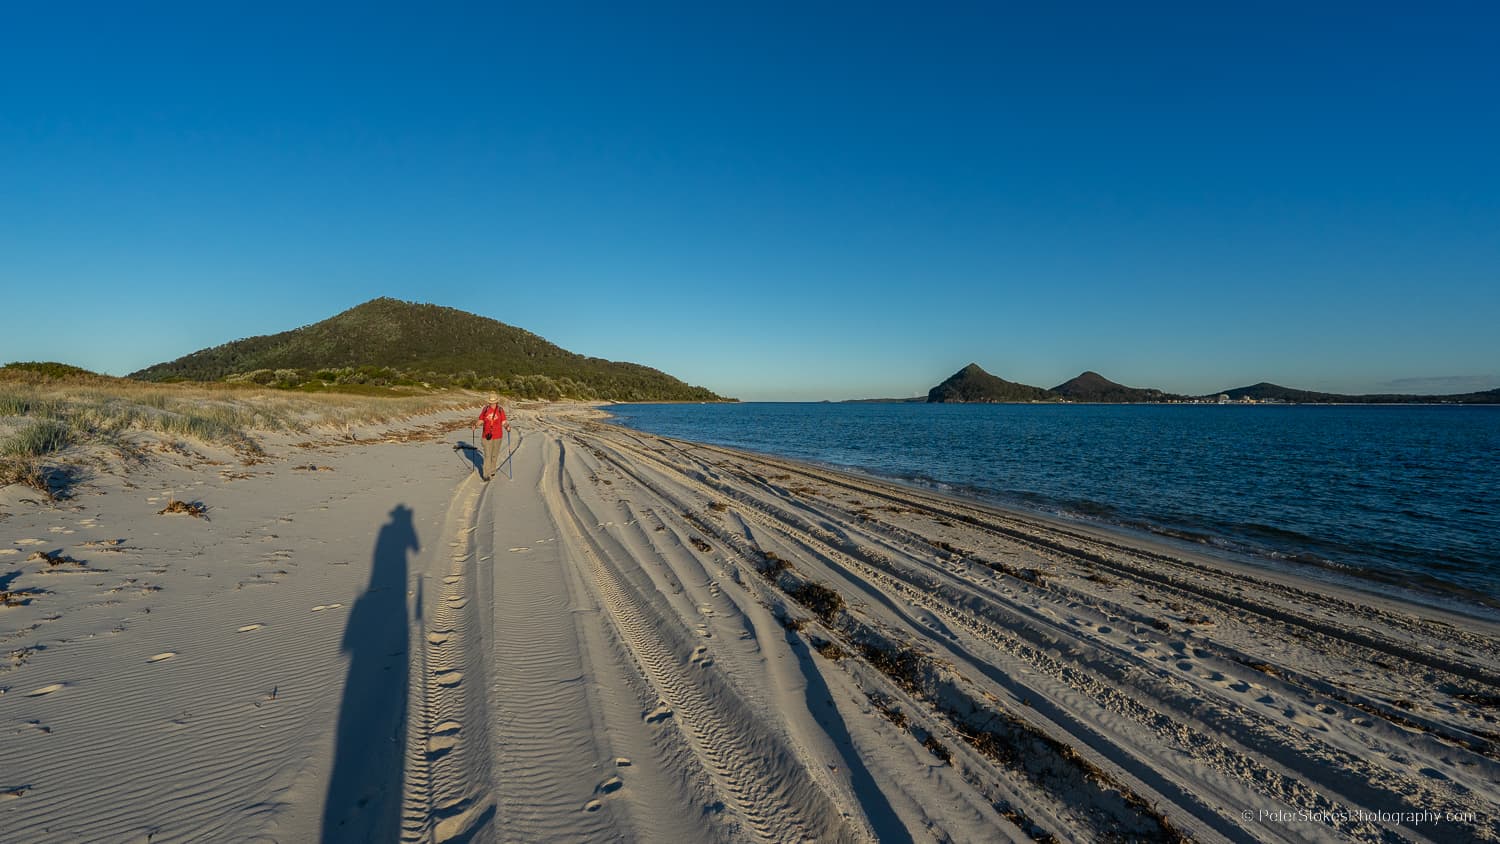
x=390, y=341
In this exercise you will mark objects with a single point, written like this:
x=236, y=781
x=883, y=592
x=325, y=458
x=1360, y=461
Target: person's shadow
x=471, y=453
x=364, y=793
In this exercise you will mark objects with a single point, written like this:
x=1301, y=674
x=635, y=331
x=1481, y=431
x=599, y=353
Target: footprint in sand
x=47, y=690
x=609, y=786
x=444, y=738
x=592, y=806
x=449, y=679
x=162, y=657
x=660, y=713
x=321, y=607
x=457, y=602
x=460, y=558
x=453, y=578
x=438, y=637
x=519, y=549
x=249, y=627
x=14, y=792
x=622, y=762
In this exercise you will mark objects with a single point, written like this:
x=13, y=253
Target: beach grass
x=42, y=436
x=42, y=418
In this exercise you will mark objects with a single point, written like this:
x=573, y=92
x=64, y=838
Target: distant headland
x=973, y=385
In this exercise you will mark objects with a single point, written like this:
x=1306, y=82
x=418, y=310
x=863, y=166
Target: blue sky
x=777, y=201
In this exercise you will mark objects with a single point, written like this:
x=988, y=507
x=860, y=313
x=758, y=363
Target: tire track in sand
x=449, y=795
x=754, y=786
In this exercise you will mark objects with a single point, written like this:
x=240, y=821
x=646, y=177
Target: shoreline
x=1300, y=574
x=1425, y=589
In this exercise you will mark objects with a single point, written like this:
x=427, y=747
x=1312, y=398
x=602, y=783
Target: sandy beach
x=635, y=638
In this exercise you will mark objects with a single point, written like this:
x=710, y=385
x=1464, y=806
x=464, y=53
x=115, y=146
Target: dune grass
x=42, y=436
x=22, y=453
x=41, y=418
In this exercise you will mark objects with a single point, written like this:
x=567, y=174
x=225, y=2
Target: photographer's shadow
x=365, y=790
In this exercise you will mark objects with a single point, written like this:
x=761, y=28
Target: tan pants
x=491, y=457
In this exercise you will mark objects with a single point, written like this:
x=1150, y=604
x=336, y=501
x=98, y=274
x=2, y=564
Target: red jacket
x=493, y=417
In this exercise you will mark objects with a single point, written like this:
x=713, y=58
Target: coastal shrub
x=254, y=376
x=26, y=472
x=43, y=436
x=46, y=369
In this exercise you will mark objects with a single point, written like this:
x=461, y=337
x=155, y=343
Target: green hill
x=973, y=384
x=26, y=369
x=1093, y=387
x=387, y=341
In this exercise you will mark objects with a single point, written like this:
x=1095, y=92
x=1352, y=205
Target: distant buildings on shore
x=1222, y=398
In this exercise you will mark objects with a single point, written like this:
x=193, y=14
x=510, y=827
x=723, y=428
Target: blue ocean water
x=1404, y=495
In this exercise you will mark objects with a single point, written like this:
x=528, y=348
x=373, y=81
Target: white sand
x=389, y=648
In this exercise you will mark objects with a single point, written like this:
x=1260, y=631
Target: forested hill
x=1093, y=387
x=391, y=341
x=973, y=384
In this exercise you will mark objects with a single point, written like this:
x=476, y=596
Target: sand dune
x=642, y=639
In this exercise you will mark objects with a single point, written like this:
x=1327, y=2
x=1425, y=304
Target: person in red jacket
x=495, y=425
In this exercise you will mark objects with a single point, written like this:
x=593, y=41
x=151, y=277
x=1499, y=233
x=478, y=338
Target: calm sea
x=1406, y=495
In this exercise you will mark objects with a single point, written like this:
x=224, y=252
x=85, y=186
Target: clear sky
x=776, y=201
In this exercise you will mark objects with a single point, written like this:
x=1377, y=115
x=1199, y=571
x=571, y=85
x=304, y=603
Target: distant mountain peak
x=1090, y=386
x=972, y=384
